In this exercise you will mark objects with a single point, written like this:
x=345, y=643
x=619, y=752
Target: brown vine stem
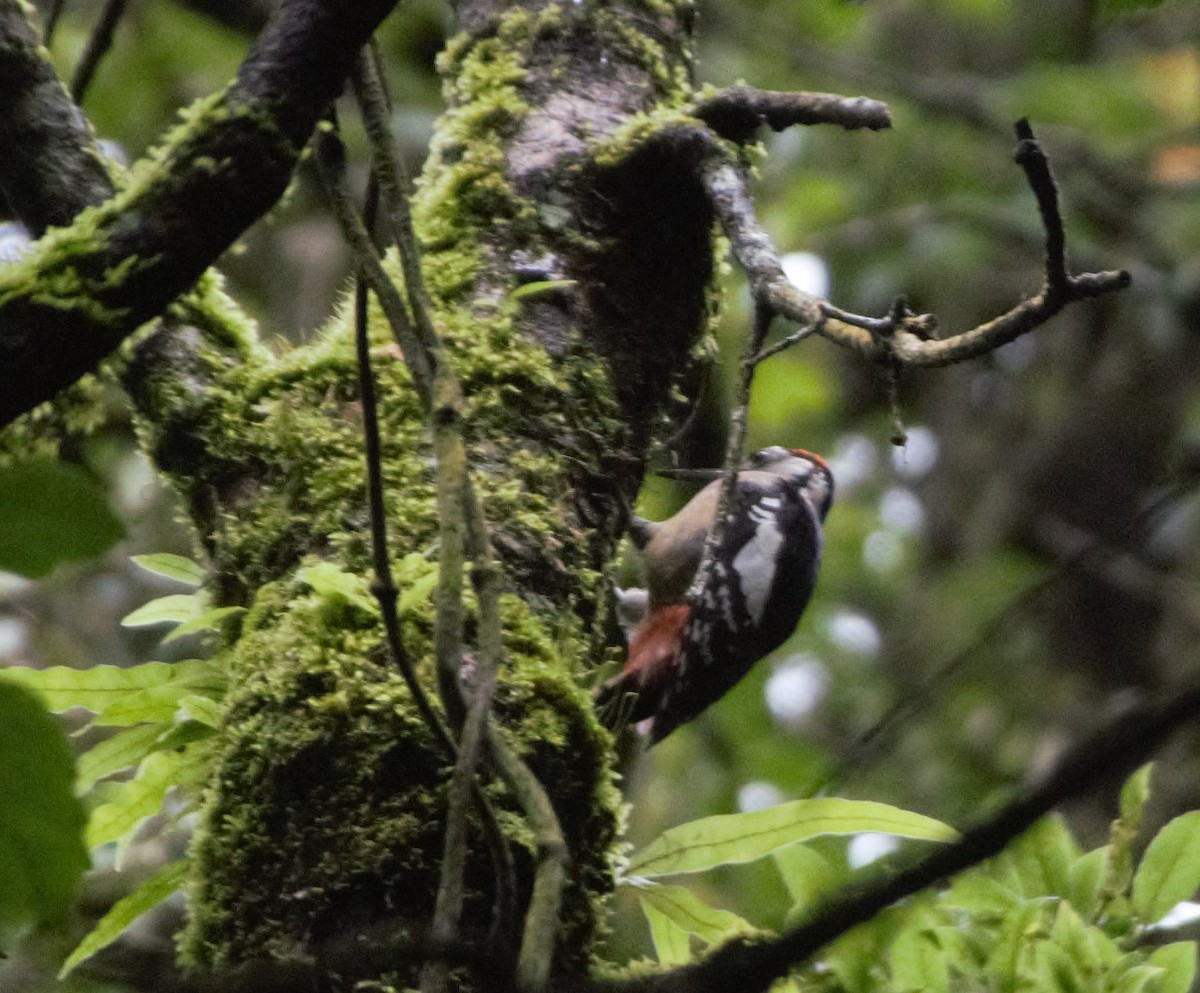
x=459, y=506
x=384, y=588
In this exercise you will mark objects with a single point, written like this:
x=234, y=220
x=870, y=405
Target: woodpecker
x=692, y=645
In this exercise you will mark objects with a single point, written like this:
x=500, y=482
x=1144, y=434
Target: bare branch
x=1030, y=157
x=890, y=341
x=737, y=112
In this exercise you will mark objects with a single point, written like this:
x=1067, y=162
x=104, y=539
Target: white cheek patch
x=755, y=563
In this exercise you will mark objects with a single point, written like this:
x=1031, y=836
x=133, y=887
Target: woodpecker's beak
x=692, y=475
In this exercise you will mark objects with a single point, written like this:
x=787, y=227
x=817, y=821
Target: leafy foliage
x=1043, y=915
x=125, y=911
x=168, y=712
x=727, y=839
x=42, y=854
x=53, y=513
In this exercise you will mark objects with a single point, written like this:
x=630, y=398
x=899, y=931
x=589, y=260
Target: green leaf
x=854, y=958
x=540, y=288
x=979, y=893
x=199, y=709
x=671, y=943
x=171, y=609
x=1054, y=969
x=1042, y=858
x=1134, y=980
x=917, y=963
x=1135, y=794
x=42, y=854
x=125, y=911
x=172, y=567
x=330, y=582
x=116, y=753
x=417, y=591
x=1086, y=876
x=732, y=838
x=129, y=803
x=1011, y=958
x=53, y=513
x=183, y=733
x=962, y=955
x=1178, y=962
x=209, y=620
x=1090, y=949
x=142, y=693
x=688, y=912
x=1170, y=869
x=808, y=876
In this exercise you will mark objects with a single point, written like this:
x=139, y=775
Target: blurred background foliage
x=1023, y=562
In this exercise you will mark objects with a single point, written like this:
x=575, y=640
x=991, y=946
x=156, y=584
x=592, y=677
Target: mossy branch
x=51, y=168
x=81, y=292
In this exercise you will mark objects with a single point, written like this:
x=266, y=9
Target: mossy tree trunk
x=325, y=810
x=557, y=162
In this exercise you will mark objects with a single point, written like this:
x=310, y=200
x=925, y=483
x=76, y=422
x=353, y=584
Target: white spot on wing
x=755, y=563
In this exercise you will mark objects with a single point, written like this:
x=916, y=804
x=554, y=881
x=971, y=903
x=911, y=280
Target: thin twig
x=385, y=592
x=1121, y=745
x=56, y=10
x=916, y=698
x=383, y=585
x=733, y=448
x=1030, y=157
x=330, y=159
x=542, y=923
x=784, y=344
x=488, y=579
x=447, y=910
x=371, y=91
x=97, y=47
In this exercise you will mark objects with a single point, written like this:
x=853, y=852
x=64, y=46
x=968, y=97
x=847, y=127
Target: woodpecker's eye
x=768, y=456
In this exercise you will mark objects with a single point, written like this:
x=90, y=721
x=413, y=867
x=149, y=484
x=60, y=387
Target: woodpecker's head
x=797, y=465
x=806, y=468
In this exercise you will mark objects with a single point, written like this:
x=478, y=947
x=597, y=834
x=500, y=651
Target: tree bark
x=324, y=815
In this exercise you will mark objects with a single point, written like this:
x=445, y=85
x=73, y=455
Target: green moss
x=670, y=76
x=329, y=793
x=633, y=134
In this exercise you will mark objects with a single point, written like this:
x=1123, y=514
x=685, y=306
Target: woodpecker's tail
x=634, y=693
